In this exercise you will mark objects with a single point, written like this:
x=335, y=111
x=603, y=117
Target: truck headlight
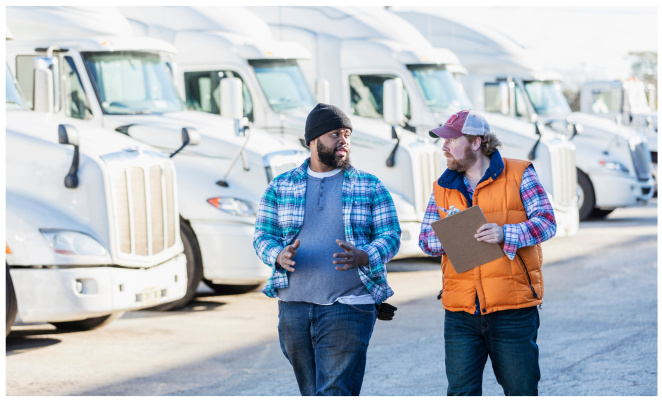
x=234, y=206
x=73, y=243
x=612, y=165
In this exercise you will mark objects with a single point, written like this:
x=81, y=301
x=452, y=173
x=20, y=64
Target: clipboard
x=456, y=234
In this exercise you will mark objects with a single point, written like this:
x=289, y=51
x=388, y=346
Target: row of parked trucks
x=173, y=120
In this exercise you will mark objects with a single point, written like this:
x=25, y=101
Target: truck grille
x=277, y=163
x=564, y=176
x=429, y=169
x=641, y=158
x=144, y=209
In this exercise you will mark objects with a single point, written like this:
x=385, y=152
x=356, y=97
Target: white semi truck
x=613, y=161
x=357, y=49
x=125, y=83
x=628, y=102
x=92, y=222
x=214, y=43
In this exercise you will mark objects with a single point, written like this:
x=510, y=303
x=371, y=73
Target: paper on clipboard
x=456, y=234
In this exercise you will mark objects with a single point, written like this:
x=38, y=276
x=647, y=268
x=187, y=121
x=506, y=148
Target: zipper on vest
x=527, y=276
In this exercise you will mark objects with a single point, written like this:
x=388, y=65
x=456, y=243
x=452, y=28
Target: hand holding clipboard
x=457, y=236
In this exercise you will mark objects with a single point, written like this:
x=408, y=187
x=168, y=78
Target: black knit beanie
x=324, y=118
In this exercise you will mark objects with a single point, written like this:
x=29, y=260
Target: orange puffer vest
x=503, y=283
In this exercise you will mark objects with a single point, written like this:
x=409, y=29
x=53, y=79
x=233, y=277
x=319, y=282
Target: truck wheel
x=193, y=269
x=227, y=289
x=87, y=324
x=11, y=305
x=586, y=196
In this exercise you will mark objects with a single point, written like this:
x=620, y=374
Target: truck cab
x=628, y=102
x=125, y=83
x=92, y=224
x=357, y=49
x=215, y=43
x=613, y=165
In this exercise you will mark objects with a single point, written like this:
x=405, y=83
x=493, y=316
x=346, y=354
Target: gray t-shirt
x=315, y=278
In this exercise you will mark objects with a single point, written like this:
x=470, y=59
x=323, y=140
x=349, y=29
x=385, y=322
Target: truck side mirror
x=232, y=100
x=189, y=137
x=68, y=135
x=393, y=101
x=46, y=86
x=322, y=92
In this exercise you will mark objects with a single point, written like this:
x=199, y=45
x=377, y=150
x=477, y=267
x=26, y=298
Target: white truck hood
x=217, y=134
x=93, y=140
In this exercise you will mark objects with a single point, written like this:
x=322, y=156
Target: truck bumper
x=228, y=256
x=612, y=191
x=67, y=294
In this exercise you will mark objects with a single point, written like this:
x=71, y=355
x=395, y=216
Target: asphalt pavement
x=598, y=333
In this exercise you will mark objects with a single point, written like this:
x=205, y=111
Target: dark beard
x=328, y=157
x=465, y=163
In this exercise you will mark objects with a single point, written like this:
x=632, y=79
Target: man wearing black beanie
x=327, y=304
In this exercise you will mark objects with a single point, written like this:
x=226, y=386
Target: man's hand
x=352, y=258
x=287, y=254
x=490, y=232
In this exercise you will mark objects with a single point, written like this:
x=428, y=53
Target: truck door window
x=76, y=104
x=520, y=103
x=492, y=98
x=25, y=77
x=367, y=95
x=606, y=101
x=203, y=91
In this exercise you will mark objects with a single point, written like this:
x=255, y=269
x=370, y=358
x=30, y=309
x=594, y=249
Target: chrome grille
x=564, y=175
x=144, y=209
x=429, y=169
x=641, y=158
x=276, y=169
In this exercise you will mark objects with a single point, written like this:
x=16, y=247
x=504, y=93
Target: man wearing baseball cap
x=327, y=230
x=490, y=310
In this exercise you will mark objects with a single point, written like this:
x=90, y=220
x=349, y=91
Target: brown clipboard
x=456, y=234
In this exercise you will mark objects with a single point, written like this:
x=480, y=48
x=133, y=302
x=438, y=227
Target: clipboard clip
x=451, y=210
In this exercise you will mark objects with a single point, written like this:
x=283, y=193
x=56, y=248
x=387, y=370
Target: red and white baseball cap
x=464, y=122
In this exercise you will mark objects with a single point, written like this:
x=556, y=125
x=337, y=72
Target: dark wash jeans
x=508, y=337
x=326, y=345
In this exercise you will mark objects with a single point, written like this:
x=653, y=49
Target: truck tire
x=11, y=305
x=227, y=289
x=193, y=269
x=586, y=196
x=87, y=324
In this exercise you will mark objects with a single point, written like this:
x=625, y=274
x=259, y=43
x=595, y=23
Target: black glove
x=385, y=311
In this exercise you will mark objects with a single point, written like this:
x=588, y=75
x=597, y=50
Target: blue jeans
x=508, y=337
x=326, y=345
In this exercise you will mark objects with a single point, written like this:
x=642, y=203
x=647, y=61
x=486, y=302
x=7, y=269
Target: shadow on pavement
x=22, y=341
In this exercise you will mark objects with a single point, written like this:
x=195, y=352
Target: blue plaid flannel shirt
x=369, y=216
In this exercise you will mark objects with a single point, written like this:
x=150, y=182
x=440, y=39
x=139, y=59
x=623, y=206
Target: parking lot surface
x=598, y=333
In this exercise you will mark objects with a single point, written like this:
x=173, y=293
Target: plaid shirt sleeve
x=427, y=240
x=267, y=237
x=386, y=231
x=541, y=223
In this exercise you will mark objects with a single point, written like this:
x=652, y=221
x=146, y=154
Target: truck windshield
x=546, y=97
x=12, y=93
x=132, y=83
x=441, y=91
x=284, y=85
